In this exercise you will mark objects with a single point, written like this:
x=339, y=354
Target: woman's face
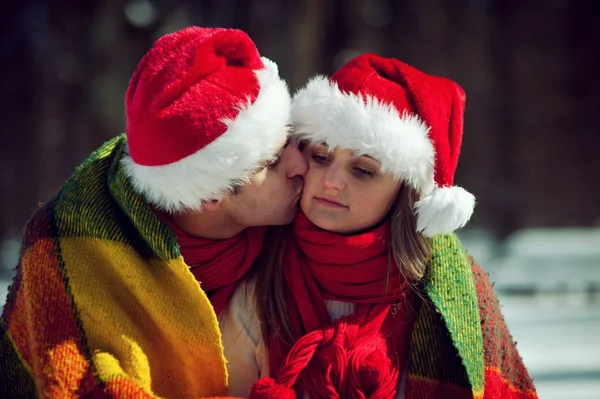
x=345, y=192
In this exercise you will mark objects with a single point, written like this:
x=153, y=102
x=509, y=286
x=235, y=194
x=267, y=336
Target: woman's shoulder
x=241, y=314
x=244, y=297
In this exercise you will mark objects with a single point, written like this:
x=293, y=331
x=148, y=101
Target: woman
x=369, y=294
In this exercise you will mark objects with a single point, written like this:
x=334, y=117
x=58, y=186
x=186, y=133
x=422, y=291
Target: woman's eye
x=364, y=172
x=319, y=158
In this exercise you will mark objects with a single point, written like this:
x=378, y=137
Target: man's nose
x=294, y=162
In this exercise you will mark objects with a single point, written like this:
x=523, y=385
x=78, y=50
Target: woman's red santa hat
x=204, y=112
x=410, y=121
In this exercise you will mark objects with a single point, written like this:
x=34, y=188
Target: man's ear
x=210, y=206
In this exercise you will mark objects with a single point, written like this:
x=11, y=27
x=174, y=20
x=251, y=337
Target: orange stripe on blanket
x=19, y=325
x=121, y=388
x=498, y=387
x=43, y=326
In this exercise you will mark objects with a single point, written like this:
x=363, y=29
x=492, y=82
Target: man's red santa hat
x=204, y=112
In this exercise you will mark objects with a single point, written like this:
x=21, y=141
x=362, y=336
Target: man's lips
x=330, y=202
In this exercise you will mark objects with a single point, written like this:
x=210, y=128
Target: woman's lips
x=330, y=202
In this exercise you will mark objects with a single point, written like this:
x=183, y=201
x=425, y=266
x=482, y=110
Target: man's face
x=271, y=197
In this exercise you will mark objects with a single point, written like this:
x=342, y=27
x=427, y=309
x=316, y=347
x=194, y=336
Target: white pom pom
x=270, y=65
x=444, y=210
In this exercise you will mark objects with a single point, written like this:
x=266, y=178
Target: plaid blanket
x=460, y=346
x=103, y=305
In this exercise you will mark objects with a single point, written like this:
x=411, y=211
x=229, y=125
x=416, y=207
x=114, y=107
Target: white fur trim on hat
x=444, y=210
x=251, y=138
x=323, y=113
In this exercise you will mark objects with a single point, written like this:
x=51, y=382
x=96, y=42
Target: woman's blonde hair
x=409, y=250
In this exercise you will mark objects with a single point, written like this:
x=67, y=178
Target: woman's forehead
x=355, y=152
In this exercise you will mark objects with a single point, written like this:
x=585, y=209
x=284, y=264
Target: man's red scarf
x=218, y=264
x=356, y=356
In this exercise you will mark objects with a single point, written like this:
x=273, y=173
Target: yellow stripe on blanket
x=146, y=319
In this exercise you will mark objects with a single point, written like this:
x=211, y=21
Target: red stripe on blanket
x=498, y=387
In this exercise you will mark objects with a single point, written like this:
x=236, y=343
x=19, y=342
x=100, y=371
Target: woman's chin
x=327, y=224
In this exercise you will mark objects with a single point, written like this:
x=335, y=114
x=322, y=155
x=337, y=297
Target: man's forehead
x=282, y=142
x=283, y=139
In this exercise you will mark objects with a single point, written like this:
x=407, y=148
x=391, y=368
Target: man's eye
x=274, y=162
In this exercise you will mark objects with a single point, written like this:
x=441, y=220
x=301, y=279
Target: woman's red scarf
x=218, y=264
x=356, y=356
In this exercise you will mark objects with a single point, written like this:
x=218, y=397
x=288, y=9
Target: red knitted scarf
x=218, y=264
x=356, y=356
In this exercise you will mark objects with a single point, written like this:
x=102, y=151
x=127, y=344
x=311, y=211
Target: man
x=123, y=273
